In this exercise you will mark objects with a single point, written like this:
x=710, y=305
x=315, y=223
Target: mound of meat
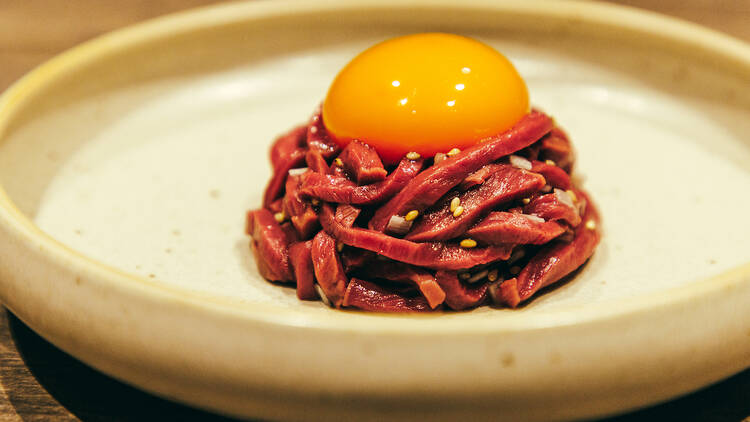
x=495, y=222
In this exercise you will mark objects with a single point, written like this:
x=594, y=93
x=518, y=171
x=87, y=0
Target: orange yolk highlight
x=426, y=93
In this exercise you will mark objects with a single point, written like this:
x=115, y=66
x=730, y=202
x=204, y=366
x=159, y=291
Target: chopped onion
x=564, y=197
x=297, y=172
x=322, y=295
x=478, y=276
x=534, y=218
x=398, y=225
x=520, y=162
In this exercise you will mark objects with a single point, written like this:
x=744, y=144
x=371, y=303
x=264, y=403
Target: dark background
x=38, y=382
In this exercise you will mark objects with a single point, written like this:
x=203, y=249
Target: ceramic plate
x=128, y=164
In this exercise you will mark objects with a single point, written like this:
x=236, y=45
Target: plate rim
x=669, y=29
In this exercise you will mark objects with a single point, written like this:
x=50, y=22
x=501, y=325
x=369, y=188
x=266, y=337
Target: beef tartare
x=492, y=222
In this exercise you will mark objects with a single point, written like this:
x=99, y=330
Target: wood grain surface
x=38, y=382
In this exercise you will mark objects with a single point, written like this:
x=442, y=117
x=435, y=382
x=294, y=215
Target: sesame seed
x=515, y=269
x=411, y=215
x=338, y=162
x=439, y=157
x=339, y=246
x=591, y=224
x=468, y=243
x=314, y=129
x=413, y=155
x=492, y=275
x=279, y=216
x=315, y=201
x=526, y=201
x=550, y=162
x=453, y=152
x=458, y=211
x=572, y=194
x=455, y=202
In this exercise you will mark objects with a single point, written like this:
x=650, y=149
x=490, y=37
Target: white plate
x=129, y=162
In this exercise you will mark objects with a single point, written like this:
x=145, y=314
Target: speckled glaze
x=127, y=164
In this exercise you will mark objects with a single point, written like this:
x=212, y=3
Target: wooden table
x=38, y=382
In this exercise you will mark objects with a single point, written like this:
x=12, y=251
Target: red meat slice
x=362, y=163
x=428, y=186
x=506, y=184
x=371, y=297
x=328, y=269
x=287, y=143
x=557, y=147
x=270, y=245
x=457, y=295
x=478, y=177
x=354, y=258
x=551, y=208
x=555, y=176
x=275, y=186
x=346, y=215
x=330, y=188
x=300, y=212
x=554, y=261
x=430, y=254
x=316, y=162
x=502, y=227
x=424, y=280
x=301, y=260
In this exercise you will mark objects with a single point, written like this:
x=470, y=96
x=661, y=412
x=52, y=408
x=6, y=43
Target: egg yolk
x=426, y=93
